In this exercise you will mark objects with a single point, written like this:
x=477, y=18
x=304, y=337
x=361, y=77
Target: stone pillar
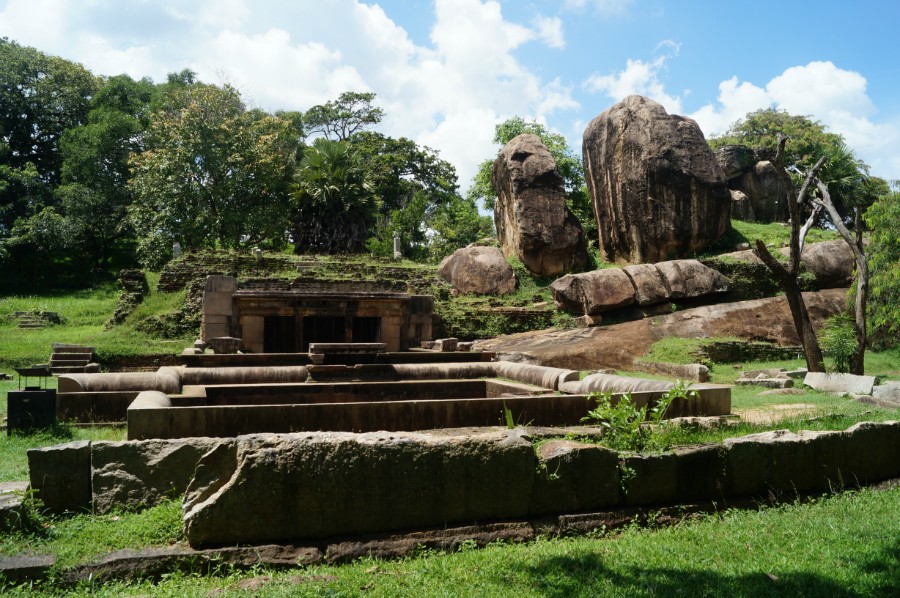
x=218, y=308
x=398, y=253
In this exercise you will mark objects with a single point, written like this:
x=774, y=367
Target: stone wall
x=282, y=488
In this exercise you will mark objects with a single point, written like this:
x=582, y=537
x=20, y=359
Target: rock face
x=657, y=190
x=757, y=190
x=830, y=262
x=533, y=222
x=479, y=270
x=591, y=293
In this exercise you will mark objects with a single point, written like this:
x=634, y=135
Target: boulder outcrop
x=592, y=293
x=657, y=190
x=533, y=222
x=757, y=190
x=478, y=270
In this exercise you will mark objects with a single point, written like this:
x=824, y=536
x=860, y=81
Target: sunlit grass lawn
x=844, y=545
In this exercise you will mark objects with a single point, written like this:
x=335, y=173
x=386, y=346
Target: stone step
x=31, y=325
x=68, y=369
x=69, y=362
x=64, y=348
x=70, y=357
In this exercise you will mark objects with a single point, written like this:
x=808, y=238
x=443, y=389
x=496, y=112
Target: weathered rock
x=687, y=279
x=872, y=452
x=12, y=497
x=478, y=270
x=61, y=476
x=741, y=208
x=649, y=479
x=282, y=487
x=140, y=474
x=778, y=461
x=887, y=391
x=24, y=568
x=657, y=190
x=532, y=219
x=591, y=293
x=735, y=160
x=846, y=383
x=831, y=262
x=574, y=477
x=765, y=191
x=648, y=284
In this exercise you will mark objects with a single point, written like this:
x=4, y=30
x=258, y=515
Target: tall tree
x=95, y=196
x=212, y=174
x=340, y=119
x=883, y=221
x=787, y=275
x=333, y=206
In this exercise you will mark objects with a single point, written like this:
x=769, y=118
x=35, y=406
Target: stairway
x=72, y=359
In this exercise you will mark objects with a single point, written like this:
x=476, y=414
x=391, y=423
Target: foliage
x=883, y=220
x=213, y=175
x=334, y=207
x=845, y=175
x=340, y=119
x=623, y=422
x=839, y=341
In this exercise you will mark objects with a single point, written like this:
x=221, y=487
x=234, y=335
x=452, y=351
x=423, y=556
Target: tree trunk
x=802, y=323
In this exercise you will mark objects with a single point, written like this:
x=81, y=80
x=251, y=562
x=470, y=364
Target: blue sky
x=446, y=71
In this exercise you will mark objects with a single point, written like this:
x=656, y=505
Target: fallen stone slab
x=24, y=568
x=844, y=383
x=878, y=402
x=153, y=563
x=887, y=391
x=12, y=497
x=767, y=382
x=397, y=546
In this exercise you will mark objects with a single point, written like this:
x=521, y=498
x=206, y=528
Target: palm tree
x=334, y=207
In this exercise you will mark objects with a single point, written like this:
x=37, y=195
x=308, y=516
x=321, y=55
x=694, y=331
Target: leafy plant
x=839, y=340
x=623, y=421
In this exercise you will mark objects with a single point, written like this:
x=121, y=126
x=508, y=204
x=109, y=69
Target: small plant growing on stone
x=623, y=421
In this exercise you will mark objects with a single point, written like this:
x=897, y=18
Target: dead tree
x=857, y=365
x=787, y=275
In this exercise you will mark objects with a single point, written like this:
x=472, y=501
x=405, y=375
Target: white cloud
x=639, y=77
x=604, y=7
x=834, y=96
x=550, y=31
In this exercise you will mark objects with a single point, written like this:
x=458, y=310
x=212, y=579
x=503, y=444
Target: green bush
x=839, y=341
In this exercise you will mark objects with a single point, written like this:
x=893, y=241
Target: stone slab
x=25, y=568
x=847, y=383
x=12, y=496
x=61, y=476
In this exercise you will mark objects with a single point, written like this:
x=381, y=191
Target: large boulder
x=657, y=190
x=478, y=270
x=688, y=279
x=831, y=262
x=533, y=222
x=591, y=293
x=757, y=189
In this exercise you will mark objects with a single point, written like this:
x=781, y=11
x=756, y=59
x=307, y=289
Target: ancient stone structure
x=757, y=189
x=478, y=270
x=533, y=222
x=657, y=190
x=288, y=320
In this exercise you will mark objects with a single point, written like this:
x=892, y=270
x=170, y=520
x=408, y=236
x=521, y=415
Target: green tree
x=883, y=221
x=567, y=162
x=95, y=196
x=340, y=119
x=212, y=174
x=333, y=206
x=41, y=97
x=810, y=140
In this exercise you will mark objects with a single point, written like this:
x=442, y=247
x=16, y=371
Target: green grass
x=843, y=545
x=13, y=457
x=774, y=234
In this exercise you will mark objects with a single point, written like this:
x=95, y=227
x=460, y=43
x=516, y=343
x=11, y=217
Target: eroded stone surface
x=848, y=383
x=657, y=189
x=326, y=484
x=478, y=270
x=533, y=221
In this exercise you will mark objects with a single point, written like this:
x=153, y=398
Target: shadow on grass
x=589, y=575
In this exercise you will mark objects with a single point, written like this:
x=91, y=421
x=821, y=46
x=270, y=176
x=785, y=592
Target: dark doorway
x=280, y=334
x=323, y=329
x=366, y=330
